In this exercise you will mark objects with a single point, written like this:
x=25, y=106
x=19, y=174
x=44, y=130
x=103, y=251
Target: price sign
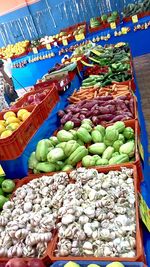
x=141, y=150
x=35, y=51
x=113, y=25
x=48, y=46
x=144, y=212
x=51, y=39
x=65, y=42
x=124, y=30
x=1, y=171
x=135, y=19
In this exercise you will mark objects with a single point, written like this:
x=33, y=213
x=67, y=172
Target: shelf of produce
x=139, y=15
x=139, y=246
x=103, y=26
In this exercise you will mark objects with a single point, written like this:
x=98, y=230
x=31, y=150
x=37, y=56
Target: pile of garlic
x=26, y=222
x=98, y=215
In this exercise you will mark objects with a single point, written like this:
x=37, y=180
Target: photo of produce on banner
x=74, y=133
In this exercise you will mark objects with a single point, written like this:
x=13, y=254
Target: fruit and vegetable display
x=101, y=110
x=33, y=99
x=7, y=186
x=12, y=50
x=11, y=121
x=83, y=49
x=136, y=8
x=79, y=199
x=97, y=209
x=113, y=145
x=110, y=64
x=98, y=215
x=103, y=20
x=92, y=92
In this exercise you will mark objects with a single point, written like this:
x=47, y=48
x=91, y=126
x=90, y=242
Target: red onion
x=16, y=262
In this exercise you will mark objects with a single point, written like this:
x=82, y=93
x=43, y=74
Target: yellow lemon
x=2, y=122
x=21, y=112
x=2, y=128
x=11, y=120
x=9, y=114
x=25, y=116
x=6, y=133
x=13, y=126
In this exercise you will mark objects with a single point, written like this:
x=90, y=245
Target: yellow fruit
x=12, y=119
x=21, y=112
x=25, y=116
x=13, y=126
x=2, y=129
x=9, y=114
x=6, y=134
x=2, y=122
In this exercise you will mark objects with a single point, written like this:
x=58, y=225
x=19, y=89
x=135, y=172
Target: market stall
x=34, y=71
x=74, y=150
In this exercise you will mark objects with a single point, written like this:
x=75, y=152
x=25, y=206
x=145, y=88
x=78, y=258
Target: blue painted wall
x=48, y=17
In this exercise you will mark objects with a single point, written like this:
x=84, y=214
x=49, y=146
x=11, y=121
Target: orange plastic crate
x=12, y=146
x=47, y=104
x=135, y=126
x=139, y=246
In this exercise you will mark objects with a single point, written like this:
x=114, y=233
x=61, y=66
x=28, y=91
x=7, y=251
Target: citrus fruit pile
x=11, y=121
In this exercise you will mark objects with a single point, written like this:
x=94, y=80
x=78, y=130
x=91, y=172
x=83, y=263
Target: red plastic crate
x=139, y=246
x=47, y=104
x=12, y=146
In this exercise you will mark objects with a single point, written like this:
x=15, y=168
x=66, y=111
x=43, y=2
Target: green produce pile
x=118, y=62
x=6, y=188
x=139, y=7
x=94, y=146
x=96, y=22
